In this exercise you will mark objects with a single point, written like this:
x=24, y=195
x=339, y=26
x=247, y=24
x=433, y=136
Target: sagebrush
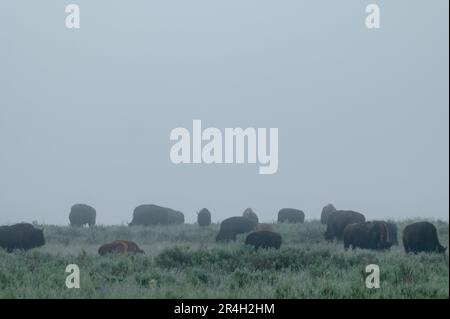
x=184, y=261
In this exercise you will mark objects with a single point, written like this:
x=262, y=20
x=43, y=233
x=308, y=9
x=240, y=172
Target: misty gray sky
x=85, y=115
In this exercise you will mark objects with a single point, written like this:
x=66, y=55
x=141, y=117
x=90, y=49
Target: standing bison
x=291, y=215
x=204, y=217
x=250, y=214
x=156, y=215
x=338, y=220
x=326, y=212
x=82, y=214
x=233, y=226
x=264, y=239
x=421, y=237
x=369, y=235
x=21, y=236
x=120, y=247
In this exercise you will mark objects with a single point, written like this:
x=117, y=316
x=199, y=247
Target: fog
x=85, y=115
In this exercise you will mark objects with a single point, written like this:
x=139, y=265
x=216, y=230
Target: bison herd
x=349, y=226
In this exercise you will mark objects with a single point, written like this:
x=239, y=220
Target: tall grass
x=184, y=261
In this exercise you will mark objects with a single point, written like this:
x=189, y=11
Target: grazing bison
x=421, y=237
x=291, y=215
x=204, y=217
x=368, y=235
x=156, y=215
x=268, y=227
x=326, y=211
x=82, y=214
x=264, y=239
x=120, y=247
x=233, y=226
x=21, y=236
x=338, y=220
x=250, y=214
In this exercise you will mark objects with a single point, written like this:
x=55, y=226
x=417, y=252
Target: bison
x=82, y=214
x=22, y=236
x=291, y=215
x=369, y=235
x=250, y=214
x=264, y=239
x=120, y=247
x=326, y=211
x=204, y=217
x=156, y=215
x=233, y=226
x=338, y=220
x=421, y=237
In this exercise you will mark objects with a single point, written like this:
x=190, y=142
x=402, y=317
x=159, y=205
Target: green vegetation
x=184, y=261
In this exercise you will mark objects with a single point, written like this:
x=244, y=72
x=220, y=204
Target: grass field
x=184, y=261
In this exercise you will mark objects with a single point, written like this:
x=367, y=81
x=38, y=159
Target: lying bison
x=156, y=215
x=326, y=211
x=204, y=217
x=291, y=215
x=120, y=247
x=264, y=239
x=233, y=226
x=250, y=214
x=421, y=237
x=369, y=235
x=21, y=236
x=338, y=220
x=82, y=214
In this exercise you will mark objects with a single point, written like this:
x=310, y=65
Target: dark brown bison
x=120, y=247
x=82, y=214
x=204, y=217
x=21, y=236
x=338, y=220
x=369, y=235
x=291, y=215
x=421, y=237
x=233, y=226
x=264, y=239
x=268, y=227
x=156, y=215
x=250, y=214
x=326, y=211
